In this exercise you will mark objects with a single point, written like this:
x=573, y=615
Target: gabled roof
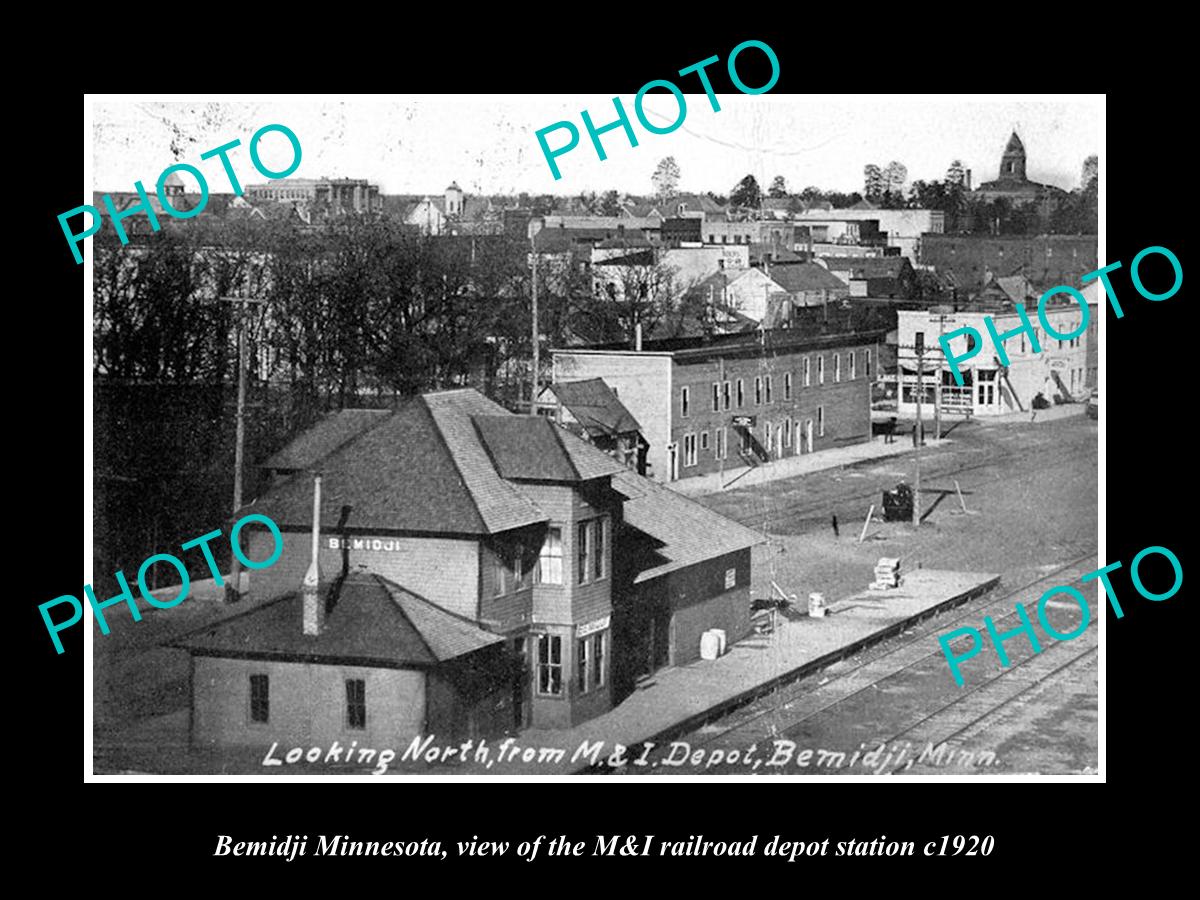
x=527, y=448
x=374, y=622
x=684, y=532
x=327, y=435
x=797, y=277
x=595, y=407
x=1014, y=144
x=421, y=468
x=868, y=266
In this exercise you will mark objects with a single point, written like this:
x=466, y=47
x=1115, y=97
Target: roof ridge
x=466, y=620
x=173, y=641
x=383, y=583
x=437, y=428
x=558, y=438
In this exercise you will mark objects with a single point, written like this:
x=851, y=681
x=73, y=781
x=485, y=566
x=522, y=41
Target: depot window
x=590, y=667
x=787, y=385
x=550, y=560
x=684, y=401
x=821, y=369
x=260, y=698
x=356, y=704
x=549, y=665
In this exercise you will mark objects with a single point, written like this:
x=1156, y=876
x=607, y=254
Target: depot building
x=475, y=572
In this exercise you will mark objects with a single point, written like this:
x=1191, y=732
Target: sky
x=488, y=144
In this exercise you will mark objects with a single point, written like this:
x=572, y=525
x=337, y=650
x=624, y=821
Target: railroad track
x=1012, y=678
x=880, y=664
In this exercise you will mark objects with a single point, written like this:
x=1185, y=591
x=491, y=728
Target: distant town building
x=1045, y=259
x=885, y=277
x=726, y=401
x=1011, y=182
x=334, y=196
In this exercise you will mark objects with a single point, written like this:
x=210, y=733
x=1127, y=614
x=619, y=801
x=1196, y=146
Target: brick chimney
x=314, y=608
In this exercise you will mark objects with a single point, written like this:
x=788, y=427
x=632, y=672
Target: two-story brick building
x=707, y=405
x=457, y=544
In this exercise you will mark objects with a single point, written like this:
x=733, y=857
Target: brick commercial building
x=732, y=400
x=478, y=571
x=1046, y=259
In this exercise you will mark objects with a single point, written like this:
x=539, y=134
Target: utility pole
x=937, y=387
x=917, y=429
x=536, y=334
x=233, y=585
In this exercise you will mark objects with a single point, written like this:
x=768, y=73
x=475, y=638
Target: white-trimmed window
x=685, y=401
x=758, y=390
x=787, y=432
x=549, y=665
x=787, y=385
x=853, y=365
x=770, y=386
x=868, y=364
x=807, y=373
x=550, y=560
x=589, y=669
x=689, y=450
x=725, y=394
x=599, y=543
x=821, y=369
x=719, y=441
x=821, y=421
x=703, y=441
x=837, y=367
x=716, y=396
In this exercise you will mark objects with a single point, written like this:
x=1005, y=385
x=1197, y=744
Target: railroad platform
x=670, y=703
x=680, y=699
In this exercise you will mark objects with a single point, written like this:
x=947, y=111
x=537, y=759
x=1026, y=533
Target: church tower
x=1012, y=163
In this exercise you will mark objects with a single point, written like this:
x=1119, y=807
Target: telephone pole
x=233, y=587
x=937, y=385
x=917, y=434
x=536, y=334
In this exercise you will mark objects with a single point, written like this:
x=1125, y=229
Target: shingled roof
x=595, y=407
x=375, y=622
x=684, y=532
x=526, y=449
x=421, y=468
x=327, y=435
x=440, y=463
x=798, y=277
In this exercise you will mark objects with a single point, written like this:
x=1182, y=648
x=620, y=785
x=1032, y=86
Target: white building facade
x=1058, y=372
